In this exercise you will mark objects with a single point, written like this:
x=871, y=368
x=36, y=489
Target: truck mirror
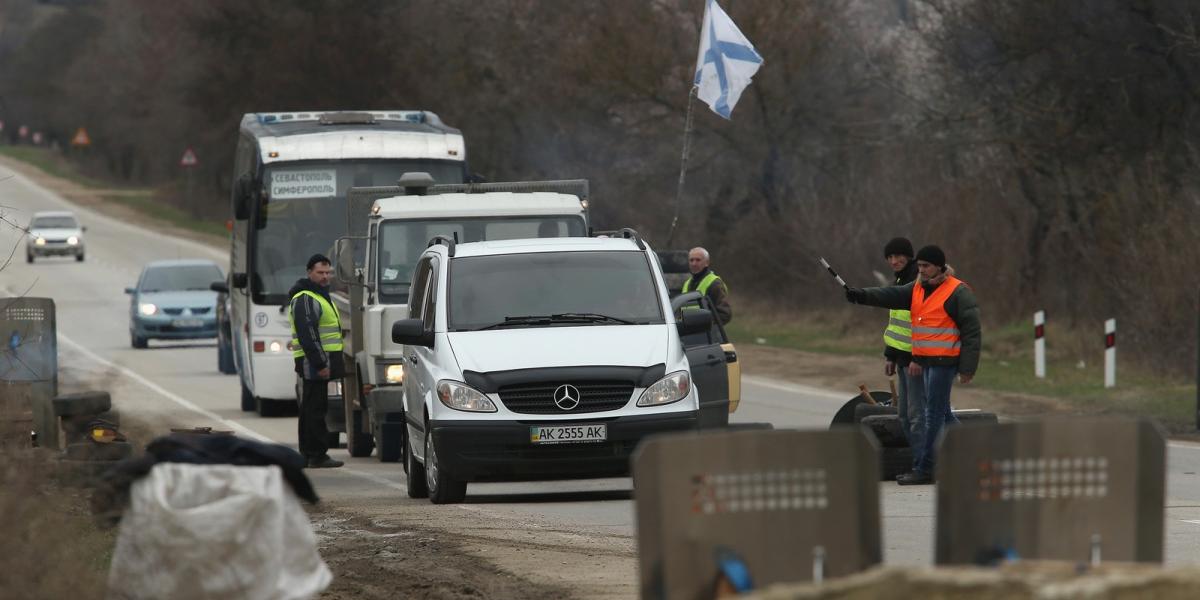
x=238, y=280
x=243, y=195
x=696, y=320
x=343, y=261
x=411, y=332
x=219, y=286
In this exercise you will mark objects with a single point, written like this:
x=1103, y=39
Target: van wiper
x=590, y=317
x=528, y=320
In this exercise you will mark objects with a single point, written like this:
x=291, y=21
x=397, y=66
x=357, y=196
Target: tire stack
x=79, y=416
x=896, y=456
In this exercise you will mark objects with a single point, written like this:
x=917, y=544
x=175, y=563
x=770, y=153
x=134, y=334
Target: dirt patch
x=841, y=372
x=372, y=559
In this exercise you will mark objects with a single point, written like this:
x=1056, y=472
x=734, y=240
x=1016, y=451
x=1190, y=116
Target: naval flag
x=726, y=61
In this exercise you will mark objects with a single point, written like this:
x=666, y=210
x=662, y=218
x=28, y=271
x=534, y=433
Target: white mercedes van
x=544, y=359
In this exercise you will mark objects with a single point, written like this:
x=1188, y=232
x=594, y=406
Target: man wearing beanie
x=946, y=341
x=897, y=350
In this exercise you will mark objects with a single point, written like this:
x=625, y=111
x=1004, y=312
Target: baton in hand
x=839, y=279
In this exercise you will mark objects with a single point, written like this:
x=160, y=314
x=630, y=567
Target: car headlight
x=672, y=388
x=39, y=241
x=394, y=373
x=147, y=308
x=72, y=241
x=461, y=396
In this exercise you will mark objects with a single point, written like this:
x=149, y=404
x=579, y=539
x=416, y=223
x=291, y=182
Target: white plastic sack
x=215, y=531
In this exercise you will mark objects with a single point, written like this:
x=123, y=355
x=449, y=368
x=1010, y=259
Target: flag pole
x=687, y=132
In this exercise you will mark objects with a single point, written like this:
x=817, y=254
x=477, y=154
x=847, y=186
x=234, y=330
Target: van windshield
x=401, y=242
x=548, y=289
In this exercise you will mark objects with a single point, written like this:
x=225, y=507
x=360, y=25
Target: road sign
x=23, y=132
x=189, y=158
x=37, y=138
x=81, y=138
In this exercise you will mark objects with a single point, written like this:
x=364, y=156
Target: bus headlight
x=394, y=374
x=672, y=388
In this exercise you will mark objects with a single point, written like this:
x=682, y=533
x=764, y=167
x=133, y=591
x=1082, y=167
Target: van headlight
x=72, y=241
x=672, y=388
x=461, y=396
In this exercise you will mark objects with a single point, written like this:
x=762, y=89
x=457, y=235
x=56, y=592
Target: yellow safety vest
x=705, y=283
x=329, y=327
x=898, y=333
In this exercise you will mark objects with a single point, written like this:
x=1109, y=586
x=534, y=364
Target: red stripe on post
x=1039, y=332
x=1110, y=340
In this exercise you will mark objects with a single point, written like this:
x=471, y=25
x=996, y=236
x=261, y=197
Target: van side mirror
x=219, y=286
x=697, y=320
x=130, y=290
x=411, y=332
x=238, y=280
x=243, y=195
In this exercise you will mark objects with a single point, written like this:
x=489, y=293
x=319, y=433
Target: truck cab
x=375, y=275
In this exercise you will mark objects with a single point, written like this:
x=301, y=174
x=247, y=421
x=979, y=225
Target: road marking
x=794, y=388
x=1192, y=521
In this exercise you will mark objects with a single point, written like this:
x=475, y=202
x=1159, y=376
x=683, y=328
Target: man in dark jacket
x=946, y=341
x=897, y=350
x=709, y=284
x=317, y=347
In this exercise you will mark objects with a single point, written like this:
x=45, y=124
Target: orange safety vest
x=934, y=333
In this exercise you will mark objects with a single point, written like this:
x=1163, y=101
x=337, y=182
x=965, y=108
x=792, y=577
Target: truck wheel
x=415, y=474
x=225, y=356
x=443, y=488
x=357, y=441
x=248, y=403
x=389, y=441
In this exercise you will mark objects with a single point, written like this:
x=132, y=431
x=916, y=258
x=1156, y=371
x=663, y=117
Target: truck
x=291, y=174
x=374, y=271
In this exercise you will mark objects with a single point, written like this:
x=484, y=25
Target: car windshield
x=402, y=242
x=549, y=289
x=306, y=212
x=54, y=223
x=179, y=277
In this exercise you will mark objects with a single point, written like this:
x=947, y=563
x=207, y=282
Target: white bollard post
x=1110, y=353
x=1039, y=344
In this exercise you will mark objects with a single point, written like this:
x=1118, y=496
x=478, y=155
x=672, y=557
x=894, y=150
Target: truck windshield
x=401, y=242
x=548, y=289
x=306, y=212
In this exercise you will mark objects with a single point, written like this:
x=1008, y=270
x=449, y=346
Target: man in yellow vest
x=708, y=284
x=897, y=350
x=946, y=341
x=317, y=348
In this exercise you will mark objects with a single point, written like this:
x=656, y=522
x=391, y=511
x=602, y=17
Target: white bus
x=291, y=173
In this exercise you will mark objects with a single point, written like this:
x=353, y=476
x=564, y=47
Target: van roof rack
x=445, y=241
x=625, y=232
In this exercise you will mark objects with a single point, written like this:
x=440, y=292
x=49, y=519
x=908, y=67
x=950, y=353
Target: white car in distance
x=54, y=233
x=542, y=359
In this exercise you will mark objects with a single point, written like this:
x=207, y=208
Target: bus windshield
x=306, y=213
x=401, y=242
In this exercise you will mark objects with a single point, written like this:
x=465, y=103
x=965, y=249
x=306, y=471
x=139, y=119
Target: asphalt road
x=178, y=383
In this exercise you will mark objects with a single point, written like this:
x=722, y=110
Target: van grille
x=538, y=398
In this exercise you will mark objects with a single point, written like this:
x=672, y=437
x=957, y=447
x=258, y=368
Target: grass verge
x=1073, y=375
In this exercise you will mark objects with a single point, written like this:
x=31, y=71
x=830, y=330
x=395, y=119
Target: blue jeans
x=911, y=409
x=938, y=381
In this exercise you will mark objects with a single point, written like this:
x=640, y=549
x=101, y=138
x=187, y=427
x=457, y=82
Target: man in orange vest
x=946, y=341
